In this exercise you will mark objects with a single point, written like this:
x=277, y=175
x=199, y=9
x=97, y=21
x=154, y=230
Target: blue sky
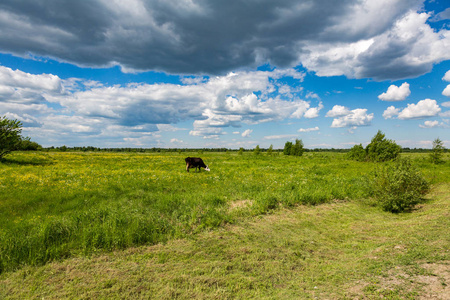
x=198, y=73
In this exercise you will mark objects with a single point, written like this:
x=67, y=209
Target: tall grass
x=56, y=205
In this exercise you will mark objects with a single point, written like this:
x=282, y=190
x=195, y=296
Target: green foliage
x=28, y=145
x=294, y=149
x=270, y=150
x=380, y=149
x=297, y=149
x=357, y=153
x=287, y=148
x=437, y=151
x=241, y=151
x=257, y=150
x=399, y=186
x=10, y=138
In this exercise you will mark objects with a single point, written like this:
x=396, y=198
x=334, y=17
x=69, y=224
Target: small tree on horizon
x=381, y=149
x=287, y=148
x=297, y=149
x=257, y=150
x=270, y=150
x=437, y=151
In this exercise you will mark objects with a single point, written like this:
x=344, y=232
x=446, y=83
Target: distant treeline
x=199, y=150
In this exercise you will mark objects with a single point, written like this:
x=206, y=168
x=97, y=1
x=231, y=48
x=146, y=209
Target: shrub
x=287, y=148
x=437, y=151
x=257, y=150
x=399, y=186
x=294, y=149
x=297, y=149
x=381, y=149
x=357, y=153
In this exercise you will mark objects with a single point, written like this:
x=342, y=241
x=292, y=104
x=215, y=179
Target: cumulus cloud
x=247, y=133
x=429, y=124
x=408, y=48
x=308, y=129
x=446, y=91
x=446, y=76
x=424, y=108
x=395, y=93
x=391, y=112
x=86, y=107
x=344, y=117
x=193, y=37
x=446, y=104
x=338, y=111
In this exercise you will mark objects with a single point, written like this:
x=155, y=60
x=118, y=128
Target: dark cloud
x=193, y=37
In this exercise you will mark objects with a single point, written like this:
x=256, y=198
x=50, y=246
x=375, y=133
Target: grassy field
x=71, y=220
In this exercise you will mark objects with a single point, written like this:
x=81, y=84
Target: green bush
x=382, y=149
x=357, y=153
x=399, y=186
x=437, y=151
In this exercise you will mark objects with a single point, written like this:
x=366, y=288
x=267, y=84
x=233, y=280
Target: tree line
x=379, y=149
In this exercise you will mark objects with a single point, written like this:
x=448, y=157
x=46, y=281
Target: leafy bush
x=294, y=149
x=382, y=149
x=399, y=186
x=437, y=152
x=357, y=153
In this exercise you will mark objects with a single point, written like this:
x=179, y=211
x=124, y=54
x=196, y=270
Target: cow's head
x=207, y=168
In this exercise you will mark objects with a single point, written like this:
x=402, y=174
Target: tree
x=257, y=150
x=270, y=150
x=241, y=151
x=437, y=151
x=381, y=149
x=10, y=138
x=297, y=149
x=28, y=145
x=287, y=148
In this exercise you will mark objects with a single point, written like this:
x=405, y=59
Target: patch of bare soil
x=434, y=285
x=239, y=204
x=437, y=285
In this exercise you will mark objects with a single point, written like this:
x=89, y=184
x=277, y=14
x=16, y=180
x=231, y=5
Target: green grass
x=340, y=250
x=75, y=206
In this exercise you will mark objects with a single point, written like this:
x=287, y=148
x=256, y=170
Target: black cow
x=195, y=162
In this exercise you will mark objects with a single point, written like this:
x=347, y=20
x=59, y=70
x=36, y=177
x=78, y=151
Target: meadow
x=68, y=205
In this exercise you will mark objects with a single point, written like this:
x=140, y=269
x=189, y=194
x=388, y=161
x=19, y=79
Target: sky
x=226, y=74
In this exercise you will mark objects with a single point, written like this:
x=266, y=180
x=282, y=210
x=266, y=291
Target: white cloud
x=391, y=112
x=424, y=108
x=231, y=100
x=395, y=93
x=308, y=129
x=446, y=76
x=313, y=112
x=408, y=48
x=281, y=136
x=445, y=114
x=446, y=91
x=355, y=117
x=446, y=104
x=247, y=133
x=429, y=124
x=338, y=111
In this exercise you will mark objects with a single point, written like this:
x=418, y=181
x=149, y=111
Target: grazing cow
x=195, y=162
